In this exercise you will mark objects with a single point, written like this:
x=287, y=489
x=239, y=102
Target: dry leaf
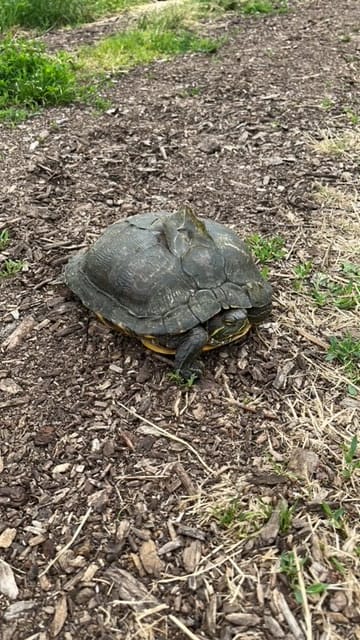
x=59, y=616
x=150, y=559
x=7, y=538
x=243, y=619
x=8, y=586
x=61, y=468
x=90, y=572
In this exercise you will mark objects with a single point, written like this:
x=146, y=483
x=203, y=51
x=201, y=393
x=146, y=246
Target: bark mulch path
x=130, y=508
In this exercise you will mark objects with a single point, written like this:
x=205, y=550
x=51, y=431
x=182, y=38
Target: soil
x=112, y=478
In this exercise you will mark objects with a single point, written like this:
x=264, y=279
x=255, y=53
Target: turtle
x=180, y=283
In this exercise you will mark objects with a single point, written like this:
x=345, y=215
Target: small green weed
x=286, y=517
x=188, y=383
x=4, y=239
x=190, y=92
x=351, y=464
x=354, y=118
x=265, y=272
x=327, y=104
x=302, y=272
x=343, y=295
x=11, y=267
x=339, y=566
x=244, y=522
x=288, y=567
x=266, y=249
x=335, y=516
x=231, y=514
x=346, y=37
x=346, y=351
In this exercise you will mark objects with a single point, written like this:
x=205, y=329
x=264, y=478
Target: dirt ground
x=116, y=486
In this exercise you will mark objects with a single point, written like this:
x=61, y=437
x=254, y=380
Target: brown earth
x=116, y=486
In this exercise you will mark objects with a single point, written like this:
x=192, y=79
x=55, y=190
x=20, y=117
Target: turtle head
x=183, y=231
x=260, y=294
x=227, y=326
x=259, y=314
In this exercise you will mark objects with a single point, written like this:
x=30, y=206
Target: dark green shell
x=162, y=274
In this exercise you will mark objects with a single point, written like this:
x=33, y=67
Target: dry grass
x=334, y=144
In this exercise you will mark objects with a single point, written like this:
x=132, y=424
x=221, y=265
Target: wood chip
x=269, y=532
x=7, y=538
x=191, y=532
x=90, y=572
x=19, y=334
x=150, y=559
x=8, y=586
x=170, y=546
x=17, y=609
x=283, y=607
x=303, y=463
x=243, y=619
x=59, y=616
x=131, y=590
x=273, y=627
x=191, y=556
x=99, y=500
x=7, y=385
x=338, y=601
x=60, y=468
x=210, y=615
x=185, y=479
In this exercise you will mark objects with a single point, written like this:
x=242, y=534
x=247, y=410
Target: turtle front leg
x=187, y=352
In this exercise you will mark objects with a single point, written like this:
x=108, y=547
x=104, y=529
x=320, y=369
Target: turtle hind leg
x=189, y=348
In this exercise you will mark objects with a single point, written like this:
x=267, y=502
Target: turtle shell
x=163, y=273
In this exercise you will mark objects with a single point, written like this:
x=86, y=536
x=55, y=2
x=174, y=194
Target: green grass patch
x=246, y=7
x=163, y=34
x=48, y=14
x=31, y=78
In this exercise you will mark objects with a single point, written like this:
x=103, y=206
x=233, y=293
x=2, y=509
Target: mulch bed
x=97, y=497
